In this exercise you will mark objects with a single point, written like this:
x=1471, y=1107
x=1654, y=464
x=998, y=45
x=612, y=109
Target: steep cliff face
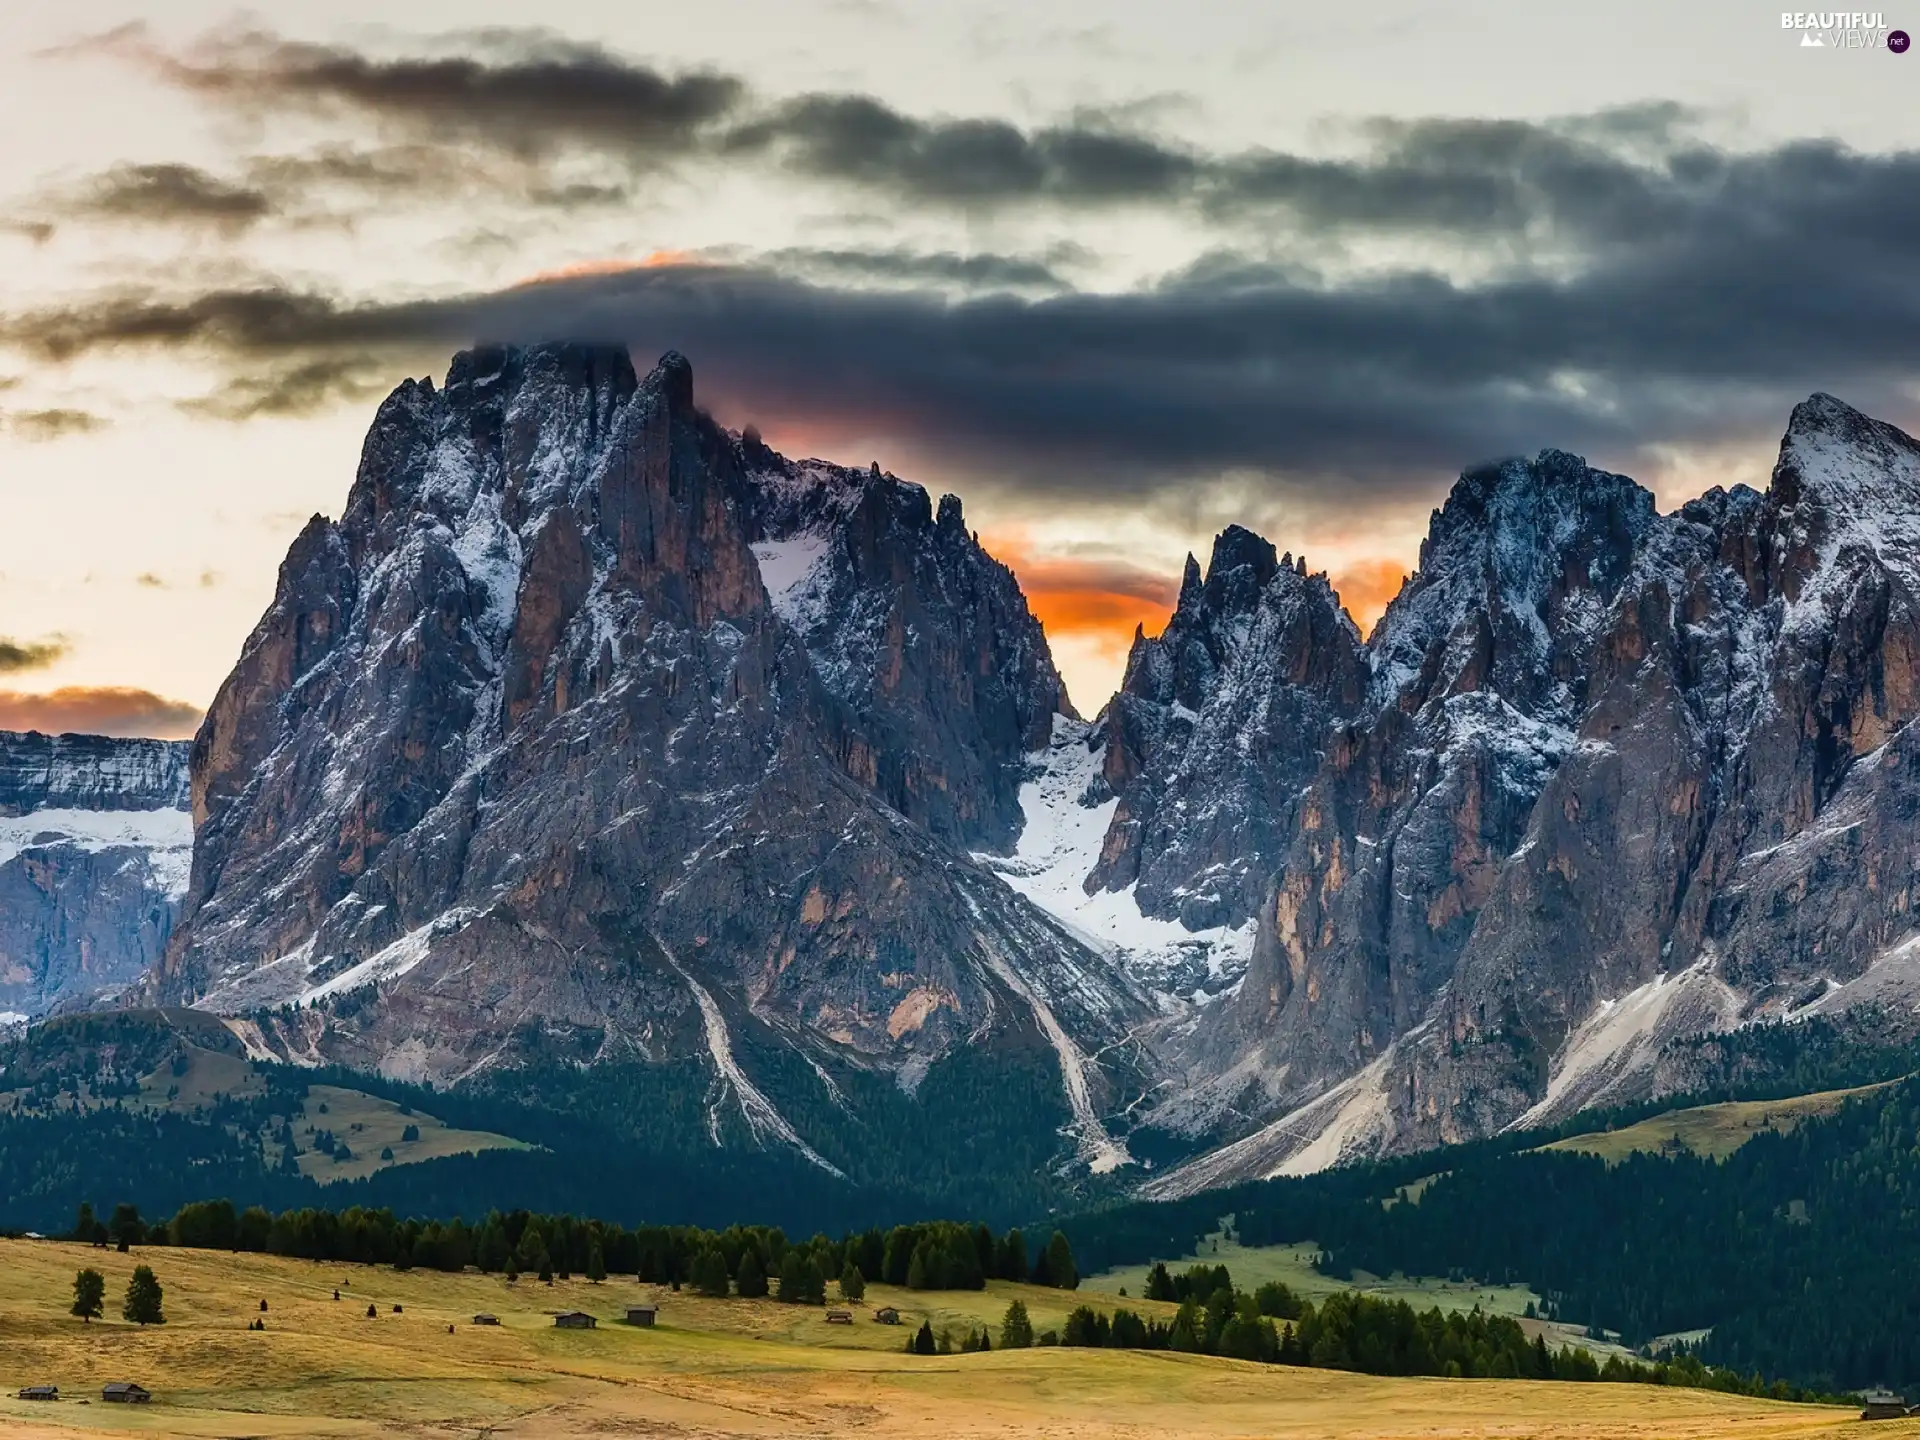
x=94, y=847
x=1676, y=803
x=1220, y=720
x=583, y=722
x=943, y=673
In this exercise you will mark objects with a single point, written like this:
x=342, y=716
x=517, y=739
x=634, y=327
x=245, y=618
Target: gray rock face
x=1220, y=721
x=942, y=671
x=589, y=719
x=1628, y=777
x=94, y=847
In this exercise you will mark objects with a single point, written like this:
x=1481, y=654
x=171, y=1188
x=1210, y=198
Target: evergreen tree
x=1160, y=1283
x=144, y=1296
x=531, y=1253
x=1086, y=1326
x=83, y=1224
x=853, y=1285
x=126, y=1230
x=923, y=1341
x=89, y=1295
x=793, y=1278
x=596, y=1262
x=751, y=1276
x=1016, y=1330
x=1013, y=1257
x=1276, y=1300
x=1060, y=1272
x=710, y=1273
x=1185, y=1334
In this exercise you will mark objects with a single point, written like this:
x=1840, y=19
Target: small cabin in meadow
x=40, y=1392
x=125, y=1392
x=886, y=1315
x=575, y=1320
x=642, y=1314
x=485, y=1319
x=1883, y=1405
x=839, y=1317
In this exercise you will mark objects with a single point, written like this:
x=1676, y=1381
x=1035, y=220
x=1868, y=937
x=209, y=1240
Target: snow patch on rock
x=1058, y=848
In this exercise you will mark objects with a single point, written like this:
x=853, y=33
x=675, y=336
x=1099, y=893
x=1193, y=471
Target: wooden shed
x=642, y=1314
x=125, y=1392
x=483, y=1318
x=575, y=1320
x=839, y=1317
x=40, y=1392
x=1883, y=1405
x=886, y=1315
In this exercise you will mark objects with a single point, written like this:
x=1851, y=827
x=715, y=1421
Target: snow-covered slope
x=1065, y=824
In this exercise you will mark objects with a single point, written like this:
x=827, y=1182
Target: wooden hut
x=40, y=1392
x=575, y=1320
x=1883, y=1405
x=483, y=1318
x=125, y=1392
x=839, y=1317
x=886, y=1315
x=642, y=1314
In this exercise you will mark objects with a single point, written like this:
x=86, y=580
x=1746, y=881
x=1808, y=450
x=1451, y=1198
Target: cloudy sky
x=1117, y=274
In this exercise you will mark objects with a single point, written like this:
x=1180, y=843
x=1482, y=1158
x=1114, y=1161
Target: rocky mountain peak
x=1515, y=577
x=592, y=721
x=1218, y=721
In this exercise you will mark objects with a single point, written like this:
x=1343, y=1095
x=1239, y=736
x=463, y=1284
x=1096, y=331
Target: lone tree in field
x=143, y=1298
x=1016, y=1330
x=83, y=1224
x=853, y=1285
x=923, y=1341
x=89, y=1295
x=596, y=1262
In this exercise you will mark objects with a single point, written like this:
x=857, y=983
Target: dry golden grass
x=1715, y=1131
x=711, y=1368
x=382, y=1126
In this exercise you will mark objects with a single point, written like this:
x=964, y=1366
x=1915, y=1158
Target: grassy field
x=1293, y=1265
x=365, y=1123
x=711, y=1368
x=1711, y=1130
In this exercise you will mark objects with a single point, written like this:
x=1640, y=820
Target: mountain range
x=594, y=737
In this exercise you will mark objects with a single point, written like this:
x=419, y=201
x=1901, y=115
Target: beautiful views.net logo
x=1844, y=30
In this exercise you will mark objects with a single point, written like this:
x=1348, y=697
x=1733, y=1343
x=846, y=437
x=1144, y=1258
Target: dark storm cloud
x=968, y=162
x=522, y=92
x=171, y=194
x=973, y=271
x=1705, y=332
x=296, y=387
x=42, y=425
x=535, y=98
x=18, y=655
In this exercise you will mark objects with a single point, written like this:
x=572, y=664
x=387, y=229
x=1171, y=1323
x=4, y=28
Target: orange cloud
x=1090, y=609
x=1076, y=595
x=1365, y=587
x=98, y=710
x=583, y=269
